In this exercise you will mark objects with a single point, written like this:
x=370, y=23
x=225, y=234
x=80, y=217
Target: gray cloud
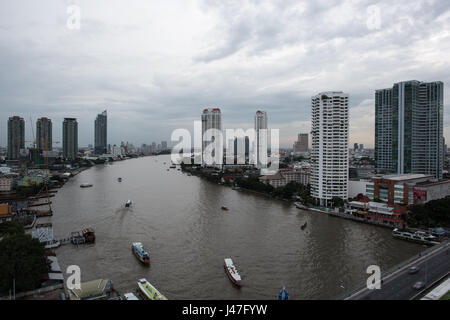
x=156, y=65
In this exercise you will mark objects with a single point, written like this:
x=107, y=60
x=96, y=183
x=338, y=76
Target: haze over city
x=154, y=66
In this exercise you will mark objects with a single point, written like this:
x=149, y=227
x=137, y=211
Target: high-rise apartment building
x=211, y=119
x=101, y=133
x=302, y=144
x=409, y=128
x=329, y=155
x=70, y=138
x=16, y=137
x=261, y=138
x=44, y=140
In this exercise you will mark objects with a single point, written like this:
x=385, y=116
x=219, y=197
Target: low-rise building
x=300, y=175
x=6, y=183
x=29, y=181
x=275, y=180
x=377, y=212
x=407, y=189
x=284, y=176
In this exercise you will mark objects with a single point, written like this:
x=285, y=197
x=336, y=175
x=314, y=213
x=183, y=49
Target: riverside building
x=329, y=155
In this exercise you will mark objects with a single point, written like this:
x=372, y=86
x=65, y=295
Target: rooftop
x=403, y=177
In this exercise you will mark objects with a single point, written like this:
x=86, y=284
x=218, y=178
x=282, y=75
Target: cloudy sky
x=154, y=65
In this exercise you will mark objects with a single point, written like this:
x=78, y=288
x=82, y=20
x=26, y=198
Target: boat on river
x=128, y=204
x=86, y=185
x=148, y=291
x=417, y=236
x=232, y=273
x=119, y=179
x=225, y=208
x=141, y=254
x=303, y=227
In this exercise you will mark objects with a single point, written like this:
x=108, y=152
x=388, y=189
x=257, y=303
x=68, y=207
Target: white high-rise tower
x=211, y=119
x=329, y=156
x=261, y=138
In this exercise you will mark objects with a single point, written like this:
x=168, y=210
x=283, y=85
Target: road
x=399, y=284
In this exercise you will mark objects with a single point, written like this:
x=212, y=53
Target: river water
x=180, y=222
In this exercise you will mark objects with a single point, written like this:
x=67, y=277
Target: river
x=179, y=220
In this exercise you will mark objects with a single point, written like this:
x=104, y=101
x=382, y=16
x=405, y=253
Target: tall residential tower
x=409, y=128
x=101, y=133
x=16, y=137
x=44, y=140
x=329, y=156
x=211, y=119
x=70, y=138
x=261, y=138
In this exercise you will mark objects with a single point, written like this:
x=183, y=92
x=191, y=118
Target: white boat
x=232, y=273
x=52, y=244
x=418, y=237
x=130, y=296
x=128, y=204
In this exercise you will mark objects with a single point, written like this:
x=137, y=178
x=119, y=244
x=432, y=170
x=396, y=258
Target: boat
x=417, y=236
x=86, y=185
x=138, y=249
x=283, y=295
x=173, y=167
x=225, y=208
x=89, y=235
x=304, y=226
x=128, y=204
x=119, y=179
x=148, y=291
x=232, y=273
x=130, y=296
x=52, y=244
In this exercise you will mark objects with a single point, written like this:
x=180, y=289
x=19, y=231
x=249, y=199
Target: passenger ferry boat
x=138, y=249
x=148, y=291
x=418, y=236
x=232, y=273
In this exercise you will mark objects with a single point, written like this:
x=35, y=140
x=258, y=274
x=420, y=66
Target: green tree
x=21, y=259
x=337, y=202
x=430, y=215
x=10, y=229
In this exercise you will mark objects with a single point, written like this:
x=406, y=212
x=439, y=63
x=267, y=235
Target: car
x=413, y=270
x=418, y=285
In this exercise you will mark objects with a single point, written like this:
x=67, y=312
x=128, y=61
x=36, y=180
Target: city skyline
x=162, y=83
